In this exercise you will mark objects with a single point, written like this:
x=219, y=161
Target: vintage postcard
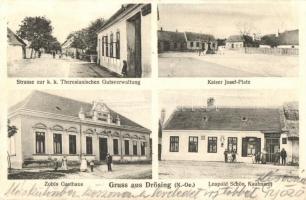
x=157, y=100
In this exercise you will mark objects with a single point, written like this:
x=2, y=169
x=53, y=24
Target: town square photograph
x=79, y=134
x=225, y=134
x=62, y=38
x=249, y=39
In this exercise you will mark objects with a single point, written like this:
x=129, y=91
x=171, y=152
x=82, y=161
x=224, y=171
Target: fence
x=272, y=51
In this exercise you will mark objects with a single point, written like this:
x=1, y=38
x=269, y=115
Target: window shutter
x=244, y=152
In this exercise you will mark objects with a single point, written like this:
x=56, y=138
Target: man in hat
x=109, y=160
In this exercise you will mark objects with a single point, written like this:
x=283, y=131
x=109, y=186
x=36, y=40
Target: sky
x=66, y=15
x=136, y=107
x=223, y=20
x=170, y=99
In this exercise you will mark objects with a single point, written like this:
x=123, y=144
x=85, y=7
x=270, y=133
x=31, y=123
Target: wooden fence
x=272, y=51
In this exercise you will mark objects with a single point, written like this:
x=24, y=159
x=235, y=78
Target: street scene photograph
x=79, y=39
x=64, y=134
x=246, y=39
x=227, y=134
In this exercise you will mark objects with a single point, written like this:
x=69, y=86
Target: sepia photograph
x=228, y=40
x=227, y=134
x=61, y=134
x=78, y=39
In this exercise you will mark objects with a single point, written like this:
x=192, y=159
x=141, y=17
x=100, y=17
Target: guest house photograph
x=246, y=39
x=228, y=133
x=94, y=39
x=74, y=134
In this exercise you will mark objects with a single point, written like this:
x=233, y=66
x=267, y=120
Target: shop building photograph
x=234, y=40
x=61, y=134
x=213, y=133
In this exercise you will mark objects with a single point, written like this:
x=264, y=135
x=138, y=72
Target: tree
x=11, y=130
x=91, y=35
x=36, y=30
x=270, y=40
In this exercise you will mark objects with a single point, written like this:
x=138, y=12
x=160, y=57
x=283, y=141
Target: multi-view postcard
x=228, y=40
x=109, y=40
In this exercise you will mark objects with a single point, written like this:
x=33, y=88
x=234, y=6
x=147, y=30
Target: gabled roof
x=13, y=39
x=125, y=8
x=171, y=36
x=49, y=103
x=289, y=37
x=199, y=36
x=235, y=38
x=226, y=118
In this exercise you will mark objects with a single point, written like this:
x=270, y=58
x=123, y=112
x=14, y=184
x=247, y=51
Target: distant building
x=16, y=47
x=235, y=42
x=289, y=39
x=50, y=126
x=69, y=50
x=204, y=133
x=185, y=41
x=126, y=38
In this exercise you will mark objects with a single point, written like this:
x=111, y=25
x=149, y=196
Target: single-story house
x=200, y=41
x=204, y=133
x=50, y=126
x=171, y=41
x=234, y=42
x=126, y=38
x=16, y=47
x=289, y=39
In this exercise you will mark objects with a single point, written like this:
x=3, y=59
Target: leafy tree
x=35, y=30
x=270, y=40
x=11, y=130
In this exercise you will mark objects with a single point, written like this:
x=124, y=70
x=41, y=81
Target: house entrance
x=272, y=145
x=134, y=46
x=103, y=148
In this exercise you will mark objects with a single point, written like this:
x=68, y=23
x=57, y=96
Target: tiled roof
x=235, y=38
x=289, y=38
x=171, y=36
x=199, y=36
x=45, y=102
x=13, y=39
x=226, y=118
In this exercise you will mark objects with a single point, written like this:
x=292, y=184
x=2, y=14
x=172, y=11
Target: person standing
x=83, y=166
x=225, y=155
x=91, y=165
x=283, y=155
x=109, y=160
x=64, y=163
x=233, y=156
x=277, y=157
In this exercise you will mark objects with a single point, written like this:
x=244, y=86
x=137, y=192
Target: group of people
x=84, y=164
x=230, y=156
x=280, y=155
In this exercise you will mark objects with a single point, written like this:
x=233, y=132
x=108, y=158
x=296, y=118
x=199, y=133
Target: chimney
x=162, y=116
x=118, y=120
x=211, y=103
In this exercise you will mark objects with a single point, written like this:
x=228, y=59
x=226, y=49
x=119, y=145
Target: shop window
x=193, y=144
x=250, y=146
x=72, y=144
x=89, y=145
x=212, y=145
x=57, y=143
x=174, y=144
x=115, y=146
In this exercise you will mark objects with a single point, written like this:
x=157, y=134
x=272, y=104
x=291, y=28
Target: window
x=175, y=45
x=126, y=147
x=118, y=45
x=40, y=142
x=212, y=145
x=57, y=143
x=193, y=144
x=232, y=144
x=72, y=144
x=284, y=141
x=88, y=145
x=134, y=148
x=143, y=148
x=198, y=44
x=115, y=146
x=250, y=146
x=191, y=44
x=111, y=48
x=106, y=46
x=174, y=144
x=103, y=44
